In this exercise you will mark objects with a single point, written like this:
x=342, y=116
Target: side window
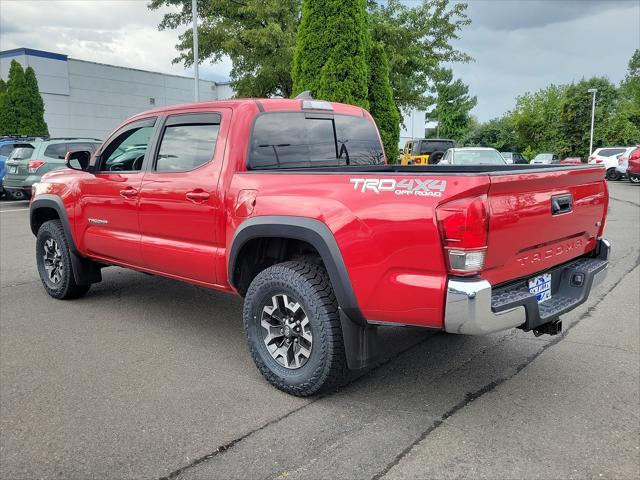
x=125, y=153
x=5, y=150
x=91, y=147
x=188, y=141
x=56, y=150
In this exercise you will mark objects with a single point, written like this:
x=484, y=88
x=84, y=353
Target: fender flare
x=316, y=234
x=85, y=271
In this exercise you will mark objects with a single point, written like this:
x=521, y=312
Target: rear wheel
x=634, y=178
x=613, y=174
x=16, y=194
x=292, y=325
x=54, y=262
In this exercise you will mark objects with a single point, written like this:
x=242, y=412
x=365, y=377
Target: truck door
x=179, y=200
x=107, y=223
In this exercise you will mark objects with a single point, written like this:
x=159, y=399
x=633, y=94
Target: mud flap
x=360, y=343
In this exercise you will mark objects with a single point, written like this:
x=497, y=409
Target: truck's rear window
x=303, y=140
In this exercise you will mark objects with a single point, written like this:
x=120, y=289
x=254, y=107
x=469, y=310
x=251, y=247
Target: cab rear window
x=308, y=140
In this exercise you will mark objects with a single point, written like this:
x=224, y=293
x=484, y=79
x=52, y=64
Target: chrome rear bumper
x=474, y=307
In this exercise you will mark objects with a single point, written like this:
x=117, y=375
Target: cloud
x=516, y=14
x=512, y=62
x=118, y=32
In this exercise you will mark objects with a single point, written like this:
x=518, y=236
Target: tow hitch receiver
x=550, y=328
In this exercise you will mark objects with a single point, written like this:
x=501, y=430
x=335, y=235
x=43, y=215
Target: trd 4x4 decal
x=407, y=186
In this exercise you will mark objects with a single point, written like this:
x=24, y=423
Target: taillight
x=463, y=226
x=34, y=165
x=599, y=160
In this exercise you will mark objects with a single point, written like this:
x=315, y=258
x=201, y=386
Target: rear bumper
x=474, y=307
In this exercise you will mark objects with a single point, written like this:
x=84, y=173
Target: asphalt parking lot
x=149, y=378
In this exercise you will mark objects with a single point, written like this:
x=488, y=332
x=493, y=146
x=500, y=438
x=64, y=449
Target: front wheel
x=292, y=325
x=613, y=174
x=54, y=262
x=634, y=178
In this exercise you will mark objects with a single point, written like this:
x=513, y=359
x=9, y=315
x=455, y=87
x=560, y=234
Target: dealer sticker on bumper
x=540, y=286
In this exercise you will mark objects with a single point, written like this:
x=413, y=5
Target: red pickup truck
x=290, y=204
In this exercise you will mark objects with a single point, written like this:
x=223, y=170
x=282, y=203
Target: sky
x=518, y=45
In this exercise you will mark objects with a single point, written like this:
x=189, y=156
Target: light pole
x=593, y=114
x=194, y=16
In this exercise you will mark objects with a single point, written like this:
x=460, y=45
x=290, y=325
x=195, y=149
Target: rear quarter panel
x=389, y=242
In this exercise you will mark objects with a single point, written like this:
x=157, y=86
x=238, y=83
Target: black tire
x=62, y=284
x=308, y=285
x=16, y=195
x=435, y=157
x=613, y=174
x=634, y=178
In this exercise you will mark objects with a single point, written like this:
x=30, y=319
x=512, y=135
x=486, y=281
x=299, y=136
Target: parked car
x=571, y=161
x=473, y=156
x=546, y=159
x=7, y=144
x=623, y=161
x=633, y=170
x=514, y=158
x=607, y=157
x=425, y=151
x=27, y=165
x=290, y=204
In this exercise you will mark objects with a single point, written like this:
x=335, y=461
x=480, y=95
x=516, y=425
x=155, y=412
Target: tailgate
x=541, y=219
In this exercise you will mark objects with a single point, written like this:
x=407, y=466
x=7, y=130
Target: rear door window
x=56, y=150
x=188, y=142
x=304, y=140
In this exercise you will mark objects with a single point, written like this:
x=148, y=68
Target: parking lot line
x=14, y=210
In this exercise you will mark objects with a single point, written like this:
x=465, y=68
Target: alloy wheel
x=286, y=332
x=52, y=260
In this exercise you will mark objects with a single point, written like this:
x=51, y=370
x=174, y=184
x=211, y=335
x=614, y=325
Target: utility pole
x=593, y=114
x=194, y=14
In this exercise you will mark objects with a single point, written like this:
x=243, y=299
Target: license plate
x=13, y=169
x=540, y=286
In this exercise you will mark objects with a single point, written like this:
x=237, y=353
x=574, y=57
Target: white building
x=88, y=99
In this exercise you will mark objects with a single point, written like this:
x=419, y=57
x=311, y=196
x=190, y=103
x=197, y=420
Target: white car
x=608, y=158
x=472, y=156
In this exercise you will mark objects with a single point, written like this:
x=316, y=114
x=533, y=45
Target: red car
x=290, y=204
x=633, y=169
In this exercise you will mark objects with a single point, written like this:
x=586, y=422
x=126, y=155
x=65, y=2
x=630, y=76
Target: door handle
x=197, y=196
x=128, y=192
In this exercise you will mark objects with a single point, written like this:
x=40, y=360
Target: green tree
x=498, y=133
x=536, y=119
x=624, y=126
x=575, y=116
x=453, y=105
x=381, y=104
x=13, y=107
x=33, y=123
x=257, y=35
x=3, y=86
x=417, y=40
x=330, y=58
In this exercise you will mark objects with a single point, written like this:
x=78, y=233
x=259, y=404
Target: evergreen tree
x=21, y=105
x=330, y=58
x=3, y=86
x=381, y=104
x=452, y=106
x=10, y=108
x=33, y=123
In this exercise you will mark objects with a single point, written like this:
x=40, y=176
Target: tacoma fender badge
x=98, y=221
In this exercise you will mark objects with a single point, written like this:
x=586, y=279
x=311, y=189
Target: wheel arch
x=48, y=207
x=312, y=232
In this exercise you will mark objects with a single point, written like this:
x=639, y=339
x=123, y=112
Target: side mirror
x=78, y=160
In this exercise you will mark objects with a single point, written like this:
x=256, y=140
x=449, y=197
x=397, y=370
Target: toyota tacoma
x=290, y=203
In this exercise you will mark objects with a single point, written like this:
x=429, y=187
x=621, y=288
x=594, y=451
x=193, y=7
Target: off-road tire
x=435, y=157
x=613, y=175
x=66, y=287
x=308, y=284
